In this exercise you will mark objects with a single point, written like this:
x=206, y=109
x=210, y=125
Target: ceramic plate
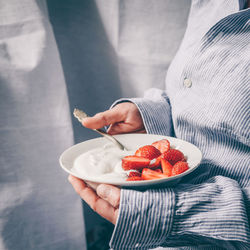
x=132, y=142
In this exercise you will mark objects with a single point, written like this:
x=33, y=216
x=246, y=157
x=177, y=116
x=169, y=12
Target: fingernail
x=103, y=191
x=82, y=121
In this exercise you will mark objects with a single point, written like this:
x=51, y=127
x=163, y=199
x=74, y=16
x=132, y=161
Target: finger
x=110, y=194
x=81, y=188
x=141, y=131
x=119, y=128
x=103, y=119
x=99, y=205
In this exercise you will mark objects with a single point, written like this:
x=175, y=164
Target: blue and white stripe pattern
x=206, y=102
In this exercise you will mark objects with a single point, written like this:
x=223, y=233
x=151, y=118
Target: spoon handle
x=80, y=115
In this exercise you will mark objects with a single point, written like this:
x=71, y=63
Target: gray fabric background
x=83, y=54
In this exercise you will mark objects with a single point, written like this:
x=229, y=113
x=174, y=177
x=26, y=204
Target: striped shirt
x=206, y=102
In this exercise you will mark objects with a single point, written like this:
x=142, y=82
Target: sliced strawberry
x=158, y=170
x=163, y=145
x=149, y=174
x=179, y=168
x=134, y=173
x=173, y=156
x=134, y=162
x=166, y=167
x=148, y=151
x=155, y=163
x=134, y=178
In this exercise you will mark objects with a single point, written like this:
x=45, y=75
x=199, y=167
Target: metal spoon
x=80, y=115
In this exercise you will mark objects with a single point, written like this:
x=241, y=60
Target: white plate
x=133, y=142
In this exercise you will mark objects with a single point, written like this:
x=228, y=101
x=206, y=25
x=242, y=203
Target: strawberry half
x=149, y=174
x=179, y=168
x=155, y=162
x=173, y=156
x=150, y=152
x=134, y=173
x=162, y=145
x=158, y=170
x=134, y=162
x=134, y=178
x=166, y=167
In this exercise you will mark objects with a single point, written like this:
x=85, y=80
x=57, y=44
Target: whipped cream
x=104, y=163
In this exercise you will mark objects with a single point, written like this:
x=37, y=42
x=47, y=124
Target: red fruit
x=179, y=168
x=158, y=170
x=148, y=151
x=149, y=174
x=156, y=162
x=166, y=167
x=134, y=173
x=173, y=156
x=134, y=162
x=134, y=178
x=162, y=145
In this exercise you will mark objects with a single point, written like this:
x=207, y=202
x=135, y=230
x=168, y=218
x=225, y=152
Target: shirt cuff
x=145, y=219
x=155, y=110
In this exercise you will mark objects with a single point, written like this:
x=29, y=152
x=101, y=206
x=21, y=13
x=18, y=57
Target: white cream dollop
x=103, y=163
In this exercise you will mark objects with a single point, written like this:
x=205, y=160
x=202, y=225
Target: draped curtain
x=56, y=55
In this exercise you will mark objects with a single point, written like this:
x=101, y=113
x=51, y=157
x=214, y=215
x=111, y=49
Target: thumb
x=109, y=193
x=103, y=119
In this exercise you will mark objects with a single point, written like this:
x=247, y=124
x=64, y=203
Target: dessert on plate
x=149, y=162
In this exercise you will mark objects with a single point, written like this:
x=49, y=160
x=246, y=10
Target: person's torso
x=208, y=86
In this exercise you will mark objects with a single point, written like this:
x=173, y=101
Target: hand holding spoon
x=80, y=115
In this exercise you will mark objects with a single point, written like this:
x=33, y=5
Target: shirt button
x=187, y=82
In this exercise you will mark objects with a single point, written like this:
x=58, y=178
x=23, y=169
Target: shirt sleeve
x=155, y=110
x=211, y=213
